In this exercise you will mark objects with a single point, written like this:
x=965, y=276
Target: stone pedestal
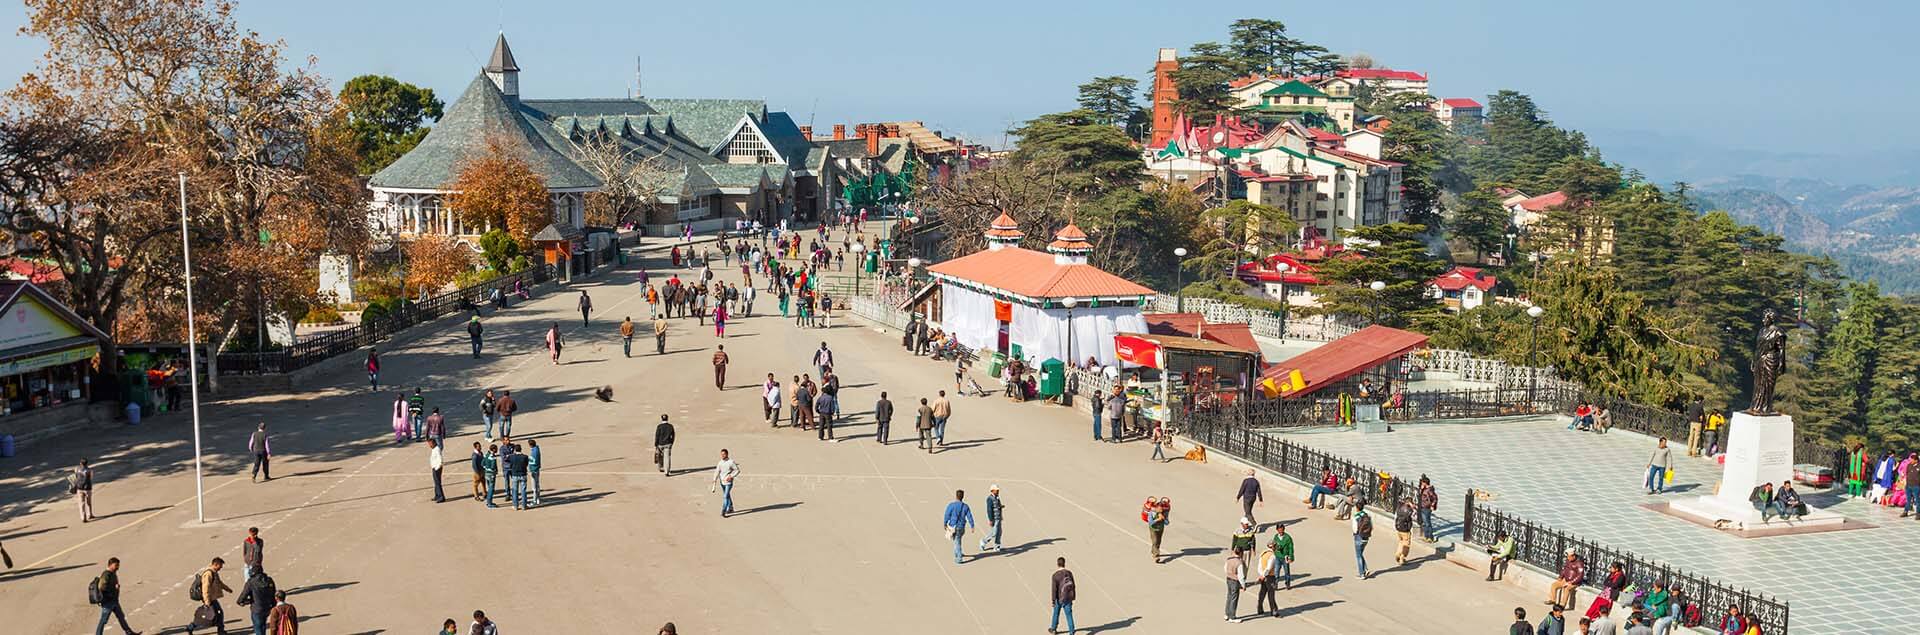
x=1759, y=450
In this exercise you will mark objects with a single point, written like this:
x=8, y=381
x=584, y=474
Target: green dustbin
x=997, y=362
x=1053, y=377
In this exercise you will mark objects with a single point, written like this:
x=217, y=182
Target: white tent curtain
x=1041, y=333
x=968, y=315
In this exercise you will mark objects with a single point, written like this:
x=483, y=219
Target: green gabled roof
x=1295, y=87
x=707, y=121
x=480, y=111
x=818, y=153
x=786, y=139
x=740, y=174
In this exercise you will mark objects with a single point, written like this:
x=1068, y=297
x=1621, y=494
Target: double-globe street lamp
x=1533, y=351
x=1379, y=298
x=1065, y=396
x=1179, y=280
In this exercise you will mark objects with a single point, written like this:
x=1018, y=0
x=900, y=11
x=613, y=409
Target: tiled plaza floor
x=1863, y=581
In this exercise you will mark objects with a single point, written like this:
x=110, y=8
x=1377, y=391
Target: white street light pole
x=193, y=355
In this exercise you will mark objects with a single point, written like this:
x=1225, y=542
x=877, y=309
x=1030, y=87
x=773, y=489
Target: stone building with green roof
x=731, y=160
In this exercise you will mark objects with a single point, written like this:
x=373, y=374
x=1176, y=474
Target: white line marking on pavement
x=125, y=527
x=1142, y=540
x=924, y=544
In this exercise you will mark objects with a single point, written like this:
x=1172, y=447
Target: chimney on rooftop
x=839, y=131
x=806, y=132
x=872, y=133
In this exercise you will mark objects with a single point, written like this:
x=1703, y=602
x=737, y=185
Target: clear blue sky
x=1803, y=76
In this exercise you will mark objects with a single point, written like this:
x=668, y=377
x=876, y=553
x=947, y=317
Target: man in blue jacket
x=957, y=519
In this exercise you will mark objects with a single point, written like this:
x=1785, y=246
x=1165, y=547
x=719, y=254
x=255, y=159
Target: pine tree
x=1836, y=404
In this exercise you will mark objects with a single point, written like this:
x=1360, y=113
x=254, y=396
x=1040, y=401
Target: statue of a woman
x=1769, y=361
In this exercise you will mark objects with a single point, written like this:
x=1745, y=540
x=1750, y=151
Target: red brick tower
x=1164, y=94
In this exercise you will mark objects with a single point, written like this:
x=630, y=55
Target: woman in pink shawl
x=553, y=343
x=720, y=320
x=1898, y=496
x=400, y=425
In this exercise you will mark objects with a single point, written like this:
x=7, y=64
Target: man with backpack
x=258, y=595
x=207, y=589
x=1063, y=596
x=105, y=592
x=1362, y=532
x=80, y=485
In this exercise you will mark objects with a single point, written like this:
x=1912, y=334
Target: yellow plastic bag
x=1669, y=476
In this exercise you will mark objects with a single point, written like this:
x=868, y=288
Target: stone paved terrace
x=1862, y=581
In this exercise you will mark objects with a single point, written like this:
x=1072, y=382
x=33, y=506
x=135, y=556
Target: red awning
x=1345, y=357
x=1135, y=350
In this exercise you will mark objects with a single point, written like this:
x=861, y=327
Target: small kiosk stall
x=48, y=356
x=1188, y=373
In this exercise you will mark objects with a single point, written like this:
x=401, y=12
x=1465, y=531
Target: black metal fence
x=1300, y=462
x=1659, y=422
x=1328, y=410
x=1546, y=548
x=309, y=351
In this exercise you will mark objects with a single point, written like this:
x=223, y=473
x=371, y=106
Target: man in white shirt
x=770, y=400
x=434, y=462
x=723, y=475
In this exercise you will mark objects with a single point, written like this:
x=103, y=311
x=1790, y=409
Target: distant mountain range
x=1873, y=231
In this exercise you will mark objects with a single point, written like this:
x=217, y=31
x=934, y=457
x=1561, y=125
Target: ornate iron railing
x=308, y=351
x=1545, y=547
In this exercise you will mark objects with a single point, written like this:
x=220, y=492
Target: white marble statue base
x=1759, y=450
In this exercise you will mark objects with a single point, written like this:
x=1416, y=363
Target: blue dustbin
x=133, y=413
x=6, y=446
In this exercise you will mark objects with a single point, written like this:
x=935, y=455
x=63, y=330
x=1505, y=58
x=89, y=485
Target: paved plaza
x=1859, y=581
x=829, y=538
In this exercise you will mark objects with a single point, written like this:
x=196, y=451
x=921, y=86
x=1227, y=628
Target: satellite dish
x=1220, y=136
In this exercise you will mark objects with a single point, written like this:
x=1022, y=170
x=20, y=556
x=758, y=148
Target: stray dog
x=1198, y=453
x=604, y=393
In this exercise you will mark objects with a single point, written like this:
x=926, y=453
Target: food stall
x=1189, y=373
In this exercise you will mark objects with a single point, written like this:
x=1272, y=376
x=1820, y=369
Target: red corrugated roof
x=1345, y=357
x=1462, y=277
x=1461, y=102
x=1035, y=275
x=1382, y=73
x=1278, y=268
x=1544, y=202
x=1236, y=334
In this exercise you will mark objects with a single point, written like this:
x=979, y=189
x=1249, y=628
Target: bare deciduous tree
x=632, y=181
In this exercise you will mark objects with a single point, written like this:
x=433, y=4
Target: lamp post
x=1179, y=280
x=859, y=249
x=1379, y=299
x=1070, y=303
x=193, y=357
x=1533, y=351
